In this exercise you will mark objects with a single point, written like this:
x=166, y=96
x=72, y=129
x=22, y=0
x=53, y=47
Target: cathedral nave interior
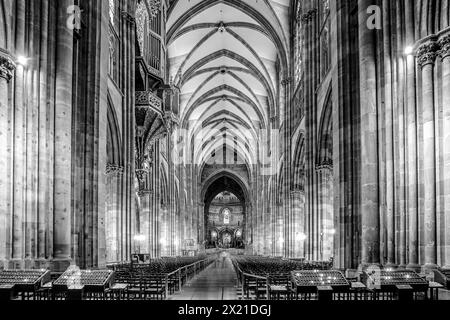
x=225, y=149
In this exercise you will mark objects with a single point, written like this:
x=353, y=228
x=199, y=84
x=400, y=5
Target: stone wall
x=387, y=87
x=54, y=98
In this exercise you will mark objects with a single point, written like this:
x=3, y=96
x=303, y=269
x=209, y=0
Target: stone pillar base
x=429, y=267
x=41, y=264
x=447, y=267
x=60, y=265
x=393, y=266
x=28, y=264
x=364, y=266
x=414, y=267
x=201, y=249
x=16, y=264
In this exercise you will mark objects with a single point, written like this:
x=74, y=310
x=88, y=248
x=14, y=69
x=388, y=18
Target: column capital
x=274, y=119
x=144, y=192
x=114, y=170
x=427, y=53
x=141, y=173
x=308, y=16
x=444, y=44
x=287, y=81
x=297, y=192
x=325, y=167
x=7, y=66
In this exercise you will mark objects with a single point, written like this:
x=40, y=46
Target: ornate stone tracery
x=444, y=44
x=7, y=66
x=146, y=10
x=427, y=53
x=148, y=98
x=114, y=170
x=308, y=16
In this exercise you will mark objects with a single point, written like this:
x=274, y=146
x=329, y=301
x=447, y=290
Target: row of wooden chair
x=267, y=277
x=158, y=278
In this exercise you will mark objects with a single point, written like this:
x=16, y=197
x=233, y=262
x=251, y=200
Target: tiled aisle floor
x=217, y=282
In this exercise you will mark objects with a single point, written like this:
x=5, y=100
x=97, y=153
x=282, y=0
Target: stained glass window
x=226, y=216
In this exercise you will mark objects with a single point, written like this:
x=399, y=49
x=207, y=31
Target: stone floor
x=217, y=282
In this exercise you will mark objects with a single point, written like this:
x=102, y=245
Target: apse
x=224, y=215
x=224, y=222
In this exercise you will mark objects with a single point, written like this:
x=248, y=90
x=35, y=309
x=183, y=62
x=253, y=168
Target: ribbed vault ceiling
x=223, y=57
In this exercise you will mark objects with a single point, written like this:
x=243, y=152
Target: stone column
x=267, y=224
x=309, y=20
x=114, y=175
x=412, y=155
x=280, y=240
x=63, y=140
x=164, y=240
x=317, y=216
x=387, y=118
x=201, y=225
x=370, y=220
x=326, y=220
x=256, y=213
x=273, y=219
x=44, y=164
x=445, y=54
x=298, y=210
x=145, y=221
x=285, y=94
x=249, y=227
x=7, y=67
x=426, y=58
x=155, y=215
x=19, y=144
x=399, y=165
x=128, y=37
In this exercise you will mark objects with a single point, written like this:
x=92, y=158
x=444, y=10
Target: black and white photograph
x=224, y=158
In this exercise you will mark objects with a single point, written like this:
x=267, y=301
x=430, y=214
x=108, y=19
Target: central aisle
x=217, y=282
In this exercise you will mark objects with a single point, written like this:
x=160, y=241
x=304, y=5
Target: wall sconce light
x=139, y=238
x=300, y=236
x=22, y=60
x=409, y=50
